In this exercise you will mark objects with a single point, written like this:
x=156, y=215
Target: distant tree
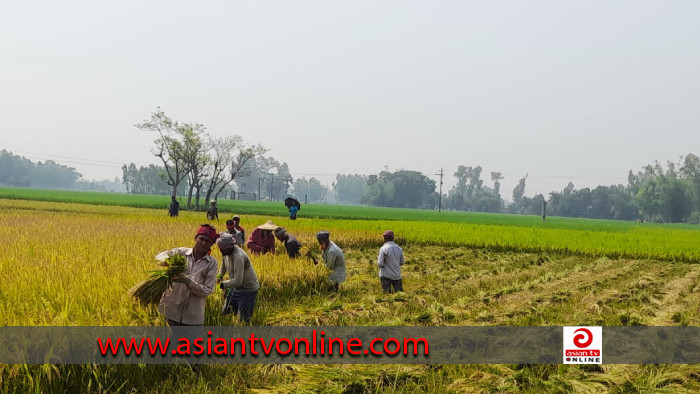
x=662, y=195
x=268, y=175
x=239, y=165
x=147, y=180
x=171, y=147
x=349, y=188
x=20, y=171
x=690, y=171
x=470, y=194
x=518, y=192
x=405, y=189
x=197, y=145
x=311, y=189
x=497, y=177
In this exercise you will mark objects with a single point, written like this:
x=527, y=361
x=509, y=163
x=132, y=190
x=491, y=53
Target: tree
x=690, y=171
x=146, y=180
x=497, y=177
x=19, y=171
x=349, y=188
x=220, y=161
x=470, y=194
x=267, y=175
x=237, y=163
x=519, y=190
x=404, y=189
x=197, y=158
x=662, y=195
x=171, y=147
x=312, y=189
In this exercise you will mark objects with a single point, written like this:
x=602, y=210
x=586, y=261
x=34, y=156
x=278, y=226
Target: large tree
x=232, y=159
x=266, y=177
x=404, y=189
x=349, y=188
x=197, y=157
x=171, y=146
x=311, y=190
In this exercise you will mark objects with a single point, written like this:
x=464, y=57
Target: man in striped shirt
x=390, y=261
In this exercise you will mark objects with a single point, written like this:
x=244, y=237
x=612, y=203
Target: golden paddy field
x=72, y=264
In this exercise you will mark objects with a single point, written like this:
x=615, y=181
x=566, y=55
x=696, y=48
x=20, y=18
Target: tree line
x=197, y=165
x=657, y=193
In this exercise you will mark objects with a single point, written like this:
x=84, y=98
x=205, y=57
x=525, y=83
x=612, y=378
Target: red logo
x=580, y=338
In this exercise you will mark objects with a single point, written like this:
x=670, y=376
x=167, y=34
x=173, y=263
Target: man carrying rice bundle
x=183, y=304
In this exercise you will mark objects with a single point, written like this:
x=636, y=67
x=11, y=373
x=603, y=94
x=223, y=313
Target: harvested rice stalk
x=309, y=254
x=151, y=290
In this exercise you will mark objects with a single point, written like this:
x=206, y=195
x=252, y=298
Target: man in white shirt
x=390, y=261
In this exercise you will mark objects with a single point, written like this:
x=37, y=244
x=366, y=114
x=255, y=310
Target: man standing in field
x=174, y=209
x=333, y=258
x=290, y=242
x=390, y=261
x=243, y=284
x=237, y=225
x=183, y=304
x=213, y=211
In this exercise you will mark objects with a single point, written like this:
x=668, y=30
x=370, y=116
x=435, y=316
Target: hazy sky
x=580, y=91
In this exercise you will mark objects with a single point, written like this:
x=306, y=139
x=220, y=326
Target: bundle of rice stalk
x=152, y=289
x=309, y=254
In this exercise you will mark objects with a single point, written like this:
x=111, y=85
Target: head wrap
x=323, y=235
x=207, y=230
x=389, y=234
x=226, y=241
x=280, y=232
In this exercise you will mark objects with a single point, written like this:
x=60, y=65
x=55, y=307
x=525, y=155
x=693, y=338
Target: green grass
x=322, y=211
x=642, y=242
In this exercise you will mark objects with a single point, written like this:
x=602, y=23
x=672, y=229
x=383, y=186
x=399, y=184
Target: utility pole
x=259, y=187
x=440, y=195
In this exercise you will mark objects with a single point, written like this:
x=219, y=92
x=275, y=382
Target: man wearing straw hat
x=183, y=304
x=242, y=284
x=261, y=240
x=333, y=258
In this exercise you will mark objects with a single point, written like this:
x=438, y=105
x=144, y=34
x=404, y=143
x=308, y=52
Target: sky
x=562, y=91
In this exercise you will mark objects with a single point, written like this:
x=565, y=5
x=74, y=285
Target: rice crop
x=67, y=264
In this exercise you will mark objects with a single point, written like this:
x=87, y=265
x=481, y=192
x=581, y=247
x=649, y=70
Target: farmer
x=242, y=284
x=390, y=261
x=293, y=212
x=231, y=229
x=237, y=224
x=261, y=240
x=333, y=258
x=183, y=304
x=213, y=211
x=290, y=242
x=174, y=209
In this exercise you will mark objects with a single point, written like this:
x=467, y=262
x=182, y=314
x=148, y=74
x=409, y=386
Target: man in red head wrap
x=183, y=304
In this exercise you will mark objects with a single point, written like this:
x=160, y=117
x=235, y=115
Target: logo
x=583, y=345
